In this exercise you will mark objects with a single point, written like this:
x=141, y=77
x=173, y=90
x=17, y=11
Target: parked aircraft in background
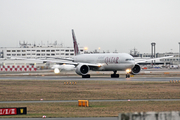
x=173, y=67
x=83, y=63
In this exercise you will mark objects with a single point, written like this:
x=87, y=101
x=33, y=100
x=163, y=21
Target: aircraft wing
x=68, y=59
x=147, y=60
x=18, y=58
x=75, y=63
x=60, y=61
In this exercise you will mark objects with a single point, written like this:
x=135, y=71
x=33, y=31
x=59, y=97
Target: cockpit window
x=129, y=59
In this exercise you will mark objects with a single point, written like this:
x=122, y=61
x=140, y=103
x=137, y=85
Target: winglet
x=76, y=48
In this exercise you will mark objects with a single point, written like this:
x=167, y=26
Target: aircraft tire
x=86, y=76
x=127, y=76
x=114, y=75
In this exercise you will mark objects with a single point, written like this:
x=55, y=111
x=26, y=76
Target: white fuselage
x=107, y=62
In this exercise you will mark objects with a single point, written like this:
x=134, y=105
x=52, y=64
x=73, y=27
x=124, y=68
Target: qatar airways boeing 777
x=83, y=63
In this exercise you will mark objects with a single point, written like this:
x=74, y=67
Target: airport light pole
x=86, y=48
x=99, y=49
x=153, y=54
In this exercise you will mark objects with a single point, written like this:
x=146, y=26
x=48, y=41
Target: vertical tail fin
x=76, y=48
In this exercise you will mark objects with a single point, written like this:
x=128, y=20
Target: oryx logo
x=108, y=60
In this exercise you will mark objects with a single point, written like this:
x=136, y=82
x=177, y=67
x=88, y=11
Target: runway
x=61, y=101
x=75, y=78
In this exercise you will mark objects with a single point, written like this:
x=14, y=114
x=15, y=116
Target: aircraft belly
x=114, y=67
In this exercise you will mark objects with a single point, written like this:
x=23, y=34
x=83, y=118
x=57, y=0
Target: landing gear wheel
x=127, y=75
x=114, y=75
x=86, y=76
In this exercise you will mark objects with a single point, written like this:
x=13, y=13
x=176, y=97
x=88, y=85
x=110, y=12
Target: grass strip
x=20, y=90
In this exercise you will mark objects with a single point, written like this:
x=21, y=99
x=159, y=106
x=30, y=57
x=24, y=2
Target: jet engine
x=136, y=69
x=82, y=69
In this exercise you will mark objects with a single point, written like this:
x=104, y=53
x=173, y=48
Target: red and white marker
x=41, y=99
x=43, y=116
x=129, y=100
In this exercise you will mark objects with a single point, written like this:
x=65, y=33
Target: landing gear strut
x=115, y=75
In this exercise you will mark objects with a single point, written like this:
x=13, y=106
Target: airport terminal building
x=35, y=52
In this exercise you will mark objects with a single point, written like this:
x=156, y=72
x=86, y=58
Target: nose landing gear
x=128, y=73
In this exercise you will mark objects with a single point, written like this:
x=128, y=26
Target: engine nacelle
x=136, y=69
x=82, y=69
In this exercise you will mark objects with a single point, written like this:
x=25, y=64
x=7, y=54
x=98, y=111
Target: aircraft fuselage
x=107, y=62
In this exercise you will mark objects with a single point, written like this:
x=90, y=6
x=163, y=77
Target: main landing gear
x=86, y=76
x=115, y=75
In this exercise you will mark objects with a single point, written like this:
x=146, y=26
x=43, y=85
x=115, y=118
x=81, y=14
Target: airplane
x=83, y=63
x=173, y=67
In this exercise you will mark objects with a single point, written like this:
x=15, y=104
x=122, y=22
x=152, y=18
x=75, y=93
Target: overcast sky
x=110, y=24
